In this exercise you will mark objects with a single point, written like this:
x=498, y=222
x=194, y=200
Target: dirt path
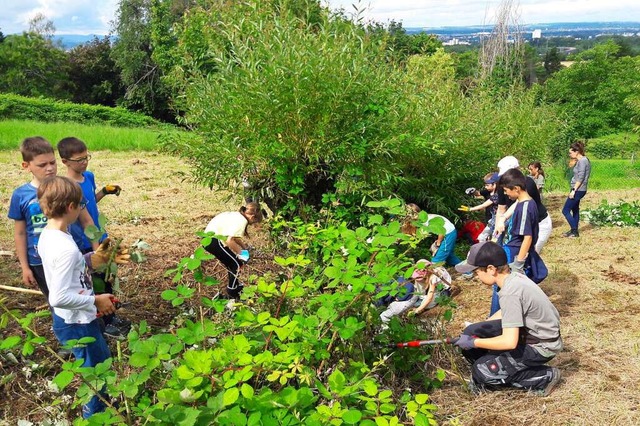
x=593, y=281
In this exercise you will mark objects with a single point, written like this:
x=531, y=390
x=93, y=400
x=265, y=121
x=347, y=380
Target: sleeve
x=238, y=227
x=522, y=219
x=15, y=211
x=60, y=281
x=541, y=181
x=92, y=179
x=512, y=315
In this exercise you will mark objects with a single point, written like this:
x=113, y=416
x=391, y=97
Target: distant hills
x=558, y=29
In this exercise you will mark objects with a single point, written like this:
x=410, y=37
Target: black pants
x=229, y=259
x=38, y=274
x=522, y=367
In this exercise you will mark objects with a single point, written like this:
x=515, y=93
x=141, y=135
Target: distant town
x=452, y=36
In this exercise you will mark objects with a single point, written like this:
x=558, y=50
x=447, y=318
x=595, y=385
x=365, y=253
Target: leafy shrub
x=603, y=149
x=41, y=109
x=620, y=214
x=303, y=348
x=301, y=111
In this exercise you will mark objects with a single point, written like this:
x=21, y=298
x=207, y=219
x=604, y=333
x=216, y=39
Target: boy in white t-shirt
x=74, y=306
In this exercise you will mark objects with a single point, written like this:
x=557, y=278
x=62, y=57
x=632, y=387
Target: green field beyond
x=97, y=137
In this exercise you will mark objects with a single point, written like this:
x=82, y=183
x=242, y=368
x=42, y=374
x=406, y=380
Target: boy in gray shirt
x=512, y=347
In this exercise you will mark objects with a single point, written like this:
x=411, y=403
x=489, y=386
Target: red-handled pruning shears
x=117, y=303
x=418, y=343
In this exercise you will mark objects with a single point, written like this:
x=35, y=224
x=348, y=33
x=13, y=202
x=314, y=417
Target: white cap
x=507, y=163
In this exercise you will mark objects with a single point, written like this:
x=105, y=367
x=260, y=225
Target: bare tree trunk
x=504, y=46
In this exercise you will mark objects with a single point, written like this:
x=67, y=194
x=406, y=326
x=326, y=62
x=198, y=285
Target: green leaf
x=138, y=359
x=10, y=342
x=230, y=396
x=337, y=381
x=352, y=417
x=247, y=391
x=422, y=398
x=63, y=379
x=169, y=294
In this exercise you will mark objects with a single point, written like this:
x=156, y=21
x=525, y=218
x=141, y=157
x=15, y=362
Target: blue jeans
x=92, y=353
x=446, y=252
x=571, y=209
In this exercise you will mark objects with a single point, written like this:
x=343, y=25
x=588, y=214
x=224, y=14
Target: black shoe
x=553, y=381
x=121, y=323
x=114, y=332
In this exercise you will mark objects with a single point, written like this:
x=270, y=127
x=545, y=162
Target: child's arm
x=506, y=341
x=85, y=220
x=524, y=248
x=236, y=244
x=107, y=190
x=482, y=206
x=429, y=297
x=20, y=238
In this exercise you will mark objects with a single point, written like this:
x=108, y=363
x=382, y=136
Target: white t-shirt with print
x=70, y=289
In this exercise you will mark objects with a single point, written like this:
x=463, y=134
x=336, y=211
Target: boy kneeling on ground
x=74, y=306
x=512, y=347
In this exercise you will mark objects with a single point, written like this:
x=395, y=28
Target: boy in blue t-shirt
x=75, y=156
x=39, y=159
x=522, y=232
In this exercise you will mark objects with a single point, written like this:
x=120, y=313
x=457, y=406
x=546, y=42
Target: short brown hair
x=67, y=147
x=34, y=146
x=253, y=208
x=56, y=194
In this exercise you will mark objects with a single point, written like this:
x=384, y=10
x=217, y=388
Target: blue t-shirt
x=75, y=229
x=24, y=206
x=524, y=221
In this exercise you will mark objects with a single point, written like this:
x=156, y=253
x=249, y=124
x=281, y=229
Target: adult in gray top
x=512, y=347
x=579, y=184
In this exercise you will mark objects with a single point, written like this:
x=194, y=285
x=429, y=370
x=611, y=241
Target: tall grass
x=97, y=137
x=605, y=174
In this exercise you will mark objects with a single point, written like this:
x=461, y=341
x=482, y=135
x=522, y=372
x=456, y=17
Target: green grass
x=605, y=174
x=97, y=137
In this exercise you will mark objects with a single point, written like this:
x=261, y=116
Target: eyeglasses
x=80, y=160
x=82, y=205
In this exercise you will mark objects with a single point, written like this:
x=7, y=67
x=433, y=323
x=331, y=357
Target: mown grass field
x=97, y=137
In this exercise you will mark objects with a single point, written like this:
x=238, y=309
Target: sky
x=95, y=16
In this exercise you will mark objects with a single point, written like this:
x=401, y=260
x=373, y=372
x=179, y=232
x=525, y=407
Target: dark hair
x=56, y=194
x=254, y=209
x=577, y=146
x=538, y=166
x=34, y=146
x=67, y=147
x=512, y=178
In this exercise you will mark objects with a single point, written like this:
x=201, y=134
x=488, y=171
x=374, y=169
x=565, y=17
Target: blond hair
x=56, y=194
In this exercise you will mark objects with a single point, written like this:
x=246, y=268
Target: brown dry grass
x=593, y=281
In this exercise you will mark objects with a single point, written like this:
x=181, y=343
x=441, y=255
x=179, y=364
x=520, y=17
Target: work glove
x=101, y=257
x=244, y=255
x=470, y=191
x=434, y=248
x=464, y=342
x=464, y=208
x=111, y=189
x=517, y=266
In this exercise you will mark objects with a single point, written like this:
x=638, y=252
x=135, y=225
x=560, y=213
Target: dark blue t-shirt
x=523, y=222
x=75, y=229
x=24, y=206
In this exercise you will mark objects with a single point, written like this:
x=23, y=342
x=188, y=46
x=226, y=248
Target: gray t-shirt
x=581, y=172
x=524, y=304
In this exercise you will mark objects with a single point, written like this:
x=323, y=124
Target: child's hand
x=244, y=255
x=28, y=278
x=104, y=304
x=464, y=208
x=112, y=189
x=101, y=256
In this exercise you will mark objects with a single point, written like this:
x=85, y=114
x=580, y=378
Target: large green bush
x=302, y=110
x=41, y=109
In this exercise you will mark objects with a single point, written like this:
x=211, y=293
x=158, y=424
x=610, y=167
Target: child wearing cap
x=512, y=347
x=490, y=204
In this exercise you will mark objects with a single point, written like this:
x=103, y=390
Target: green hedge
x=48, y=110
